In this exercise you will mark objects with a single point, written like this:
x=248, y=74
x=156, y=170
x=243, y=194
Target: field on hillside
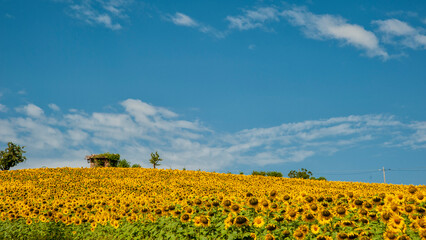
x=123, y=203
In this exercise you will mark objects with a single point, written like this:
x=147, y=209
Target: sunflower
x=342, y=235
x=258, y=222
x=422, y=234
x=241, y=221
x=227, y=203
x=235, y=208
x=298, y=234
x=291, y=215
x=308, y=217
x=271, y=227
x=29, y=221
x=285, y=233
x=269, y=237
x=185, y=217
x=340, y=211
x=386, y=216
x=197, y=221
x=396, y=222
x=315, y=229
x=253, y=202
x=322, y=237
x=403, y=237
x=389, y=235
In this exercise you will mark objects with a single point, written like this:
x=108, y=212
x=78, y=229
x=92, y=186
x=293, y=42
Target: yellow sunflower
x=258, y=222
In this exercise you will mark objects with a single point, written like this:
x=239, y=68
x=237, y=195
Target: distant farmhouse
x=103, y=160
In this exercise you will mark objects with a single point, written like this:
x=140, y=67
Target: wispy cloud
x=3, y=108
x=324, y=27
x=31, y=110
x=106, y=13
x=398, y=32
x=54, y=107
x=251, y=19
x=181, y=19
x=8, y=15
x=139, y=128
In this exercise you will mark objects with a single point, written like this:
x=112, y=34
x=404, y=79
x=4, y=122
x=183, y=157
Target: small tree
x=155, y=159
x=11, y=156
x=123, y=163
x=302, y=173
x=136, y=165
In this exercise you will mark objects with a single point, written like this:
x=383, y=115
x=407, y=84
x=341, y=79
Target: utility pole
x=384, y=174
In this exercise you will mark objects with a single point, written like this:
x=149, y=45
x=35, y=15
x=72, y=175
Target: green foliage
x=261, y=173
x=155, y=159
x=11, y=156
x=318, y=178
x=113, y=158
x=303, y=173
x=123, y=163
x=136, y=165
x=274, y=174
x=269, y=174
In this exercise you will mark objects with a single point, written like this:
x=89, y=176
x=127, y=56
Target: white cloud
x=334, y=27
x=63, y=139
x=398, y=32
x=183, y=20
x=54, y=107
x=3, y=108
x=253, y=18
x=31, y=110
x=106, y=13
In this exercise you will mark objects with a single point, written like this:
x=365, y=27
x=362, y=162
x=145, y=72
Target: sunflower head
x=258, y=221
x=269, y=237
x=240, y=221
x=235, y=208
x=271, y=227
x=185, y=217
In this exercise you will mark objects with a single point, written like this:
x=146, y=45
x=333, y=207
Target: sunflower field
x=137, y=203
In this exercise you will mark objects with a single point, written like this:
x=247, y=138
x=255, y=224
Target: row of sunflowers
x=106, y=203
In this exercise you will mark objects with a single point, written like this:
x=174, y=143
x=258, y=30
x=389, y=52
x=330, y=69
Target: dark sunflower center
x=326, y=213
x=204, y=220
x=235, y=207
x=341, y=210
x=240, y=220
x=227, y=203
x=253, y=202
x=271, y=227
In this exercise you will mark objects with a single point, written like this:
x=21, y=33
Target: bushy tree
x=302, y=173
x=123, y=163
x=155, y=159
x=11, y=156
x=269, y=174
x=261, y=173
x=274, y=174
x=136, y=165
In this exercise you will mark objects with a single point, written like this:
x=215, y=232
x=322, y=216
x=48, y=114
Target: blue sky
x=336, y=87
